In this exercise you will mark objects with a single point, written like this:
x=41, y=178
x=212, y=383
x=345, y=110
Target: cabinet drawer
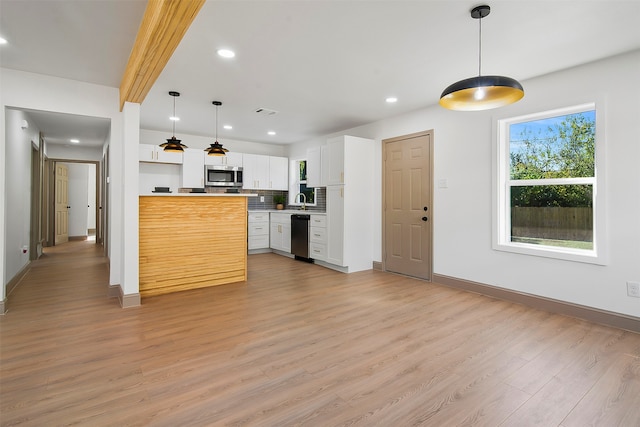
x=319, y=221
x=258, y=242
x=281, y=218
x=318, y=251
x=258, y=217
x=318, y=235
x=259, y=229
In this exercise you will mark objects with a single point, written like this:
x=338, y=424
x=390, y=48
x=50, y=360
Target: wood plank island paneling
x=191, y=242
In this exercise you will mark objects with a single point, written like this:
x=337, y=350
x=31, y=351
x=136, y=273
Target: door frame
x=51, y=196
x=384, y=196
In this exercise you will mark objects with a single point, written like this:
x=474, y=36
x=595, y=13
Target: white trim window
x=299, y=185
x=548, y=198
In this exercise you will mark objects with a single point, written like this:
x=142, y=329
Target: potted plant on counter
x=279, y=200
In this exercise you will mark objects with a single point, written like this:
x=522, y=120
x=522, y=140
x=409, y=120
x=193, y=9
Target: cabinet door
x=193, y=168
x=314, y=167
x=230, y=159
x=278, y=173
x=335, y=151
x=275, y=236
x=167, y=157
x=233, y=159
x=255, y=172
x=286, y=237
x=146, y=153
x=335, y=225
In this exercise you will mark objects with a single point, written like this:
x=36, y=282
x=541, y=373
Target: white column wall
x=130, y=246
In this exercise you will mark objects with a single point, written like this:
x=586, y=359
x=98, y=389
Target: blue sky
x=539, y=127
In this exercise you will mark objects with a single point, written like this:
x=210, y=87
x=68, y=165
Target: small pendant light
x=481, y=92
x=216, y=148
x=173, y=145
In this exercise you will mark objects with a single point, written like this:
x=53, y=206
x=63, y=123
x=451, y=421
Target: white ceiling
x=325, y=66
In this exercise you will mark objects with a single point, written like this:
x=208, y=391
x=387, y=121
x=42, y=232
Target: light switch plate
x=633, y=289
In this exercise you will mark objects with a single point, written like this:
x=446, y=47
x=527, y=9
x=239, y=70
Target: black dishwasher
x=300, y=236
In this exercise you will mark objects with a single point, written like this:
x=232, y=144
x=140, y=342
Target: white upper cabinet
x=155, y=154
x=265, y=172
x=230, y=159
x=314, y=167
x=192, y=174
x=255, y=172
x=335, y=161
x=278, y=173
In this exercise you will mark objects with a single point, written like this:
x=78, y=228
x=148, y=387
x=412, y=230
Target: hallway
x=74, y=274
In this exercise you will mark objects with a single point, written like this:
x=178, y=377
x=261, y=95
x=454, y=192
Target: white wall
x=78, y=198
x=194, y=141
x=462, y=213
x=38, y=92
x=57, y=151
x=17, y=191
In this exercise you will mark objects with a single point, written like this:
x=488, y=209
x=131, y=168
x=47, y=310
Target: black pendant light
x=216, y=148
x=481, y=92
x=173, y=145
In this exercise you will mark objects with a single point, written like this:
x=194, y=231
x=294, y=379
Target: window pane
x=553, y=215
x=303, y=170
x=554, y=147
x=309, y=192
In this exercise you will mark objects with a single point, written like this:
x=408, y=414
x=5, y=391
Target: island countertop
x=191, y=242
x=160, y=194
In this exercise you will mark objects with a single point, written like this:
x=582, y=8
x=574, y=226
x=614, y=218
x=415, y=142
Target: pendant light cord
x=216, y=123
x=480, y=48
x=174, y=117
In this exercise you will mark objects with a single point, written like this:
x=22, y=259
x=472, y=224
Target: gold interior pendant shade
x=173, y=145
x=481, y=92
x=216, y=148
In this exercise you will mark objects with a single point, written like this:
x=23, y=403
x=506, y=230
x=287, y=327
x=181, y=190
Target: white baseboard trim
x=126, y=301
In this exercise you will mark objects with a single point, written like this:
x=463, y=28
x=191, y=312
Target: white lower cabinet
x=258, y=231
x=280, y=236
x=318, y=237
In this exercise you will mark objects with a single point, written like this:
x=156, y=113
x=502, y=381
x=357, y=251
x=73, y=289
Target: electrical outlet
x=261, y=199
x=633, y=289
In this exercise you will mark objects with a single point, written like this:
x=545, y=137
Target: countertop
x=289, y=211
x=199, y=194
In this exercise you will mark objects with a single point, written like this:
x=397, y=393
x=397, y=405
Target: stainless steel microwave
x=222, y=176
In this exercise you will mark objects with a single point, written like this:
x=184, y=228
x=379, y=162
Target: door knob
x=424, y=218
x=68, y=207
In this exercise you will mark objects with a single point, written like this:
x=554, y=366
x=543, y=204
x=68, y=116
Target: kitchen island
x=190, y=241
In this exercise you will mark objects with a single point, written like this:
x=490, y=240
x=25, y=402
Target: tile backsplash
x=255, y=203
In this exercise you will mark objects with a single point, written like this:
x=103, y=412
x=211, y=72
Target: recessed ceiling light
x=3, y=40
x=228, y=127
x=271, y=132
x=174, y=118
x=391, y=99
x=226, y=53
x=74, y=141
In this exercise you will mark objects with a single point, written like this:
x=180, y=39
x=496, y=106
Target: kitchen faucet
x=304, y=200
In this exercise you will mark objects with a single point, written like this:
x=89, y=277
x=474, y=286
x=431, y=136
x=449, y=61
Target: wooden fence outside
x=553, y=223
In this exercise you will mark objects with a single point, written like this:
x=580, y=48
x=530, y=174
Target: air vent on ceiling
x=266, y=112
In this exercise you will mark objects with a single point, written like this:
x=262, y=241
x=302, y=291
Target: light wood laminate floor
x=298, y=344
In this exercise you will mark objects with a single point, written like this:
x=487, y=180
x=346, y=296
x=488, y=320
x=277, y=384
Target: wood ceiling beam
x=163, y=25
